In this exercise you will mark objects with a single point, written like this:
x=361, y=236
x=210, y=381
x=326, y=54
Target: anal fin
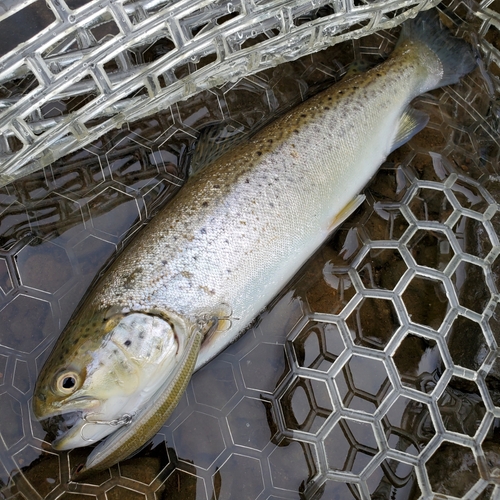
x=411, y=122
x=346, y=212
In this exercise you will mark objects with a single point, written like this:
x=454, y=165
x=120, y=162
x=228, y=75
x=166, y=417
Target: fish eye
x=67, y=382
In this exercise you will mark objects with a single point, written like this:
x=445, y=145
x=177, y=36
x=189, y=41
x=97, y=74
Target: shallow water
x=373, y=374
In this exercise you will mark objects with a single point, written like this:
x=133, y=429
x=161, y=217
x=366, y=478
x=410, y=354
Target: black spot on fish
x=259, y=153
x=327, y=108
x=216, y=186
x=141, y=335
x=247, y=181
x=203, y=230
x=128, y=342
x=164, y=262
x=204, y=204
x=303, y=115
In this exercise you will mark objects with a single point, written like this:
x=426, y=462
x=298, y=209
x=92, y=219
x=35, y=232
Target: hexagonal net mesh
x=375, y=373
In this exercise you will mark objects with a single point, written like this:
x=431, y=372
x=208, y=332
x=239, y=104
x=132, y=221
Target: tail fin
x=455, y=54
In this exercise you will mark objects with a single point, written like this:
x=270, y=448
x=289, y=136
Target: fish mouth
x=77, y=428
x=59, y=427
x=73, y=429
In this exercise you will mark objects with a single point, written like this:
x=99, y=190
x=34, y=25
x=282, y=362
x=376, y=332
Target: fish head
x=105, y=367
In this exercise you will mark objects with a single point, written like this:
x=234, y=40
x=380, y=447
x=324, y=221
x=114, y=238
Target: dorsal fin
x=356, y=68
x=213, y=142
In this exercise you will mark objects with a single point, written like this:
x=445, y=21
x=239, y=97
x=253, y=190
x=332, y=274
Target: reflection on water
x=374, y=374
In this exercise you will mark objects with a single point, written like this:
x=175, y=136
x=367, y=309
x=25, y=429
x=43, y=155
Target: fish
x=240, y=228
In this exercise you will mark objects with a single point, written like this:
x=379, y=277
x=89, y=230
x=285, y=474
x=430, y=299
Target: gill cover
x=139, y=427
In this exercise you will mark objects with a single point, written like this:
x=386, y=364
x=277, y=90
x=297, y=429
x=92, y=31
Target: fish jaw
x=73, y=414
x=94, y=424
x=75, y=437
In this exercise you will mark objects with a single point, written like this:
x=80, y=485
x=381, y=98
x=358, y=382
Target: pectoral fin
x=411, y=122
x=346, y=212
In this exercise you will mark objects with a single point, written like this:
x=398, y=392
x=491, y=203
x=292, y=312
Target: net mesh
x=96, y=55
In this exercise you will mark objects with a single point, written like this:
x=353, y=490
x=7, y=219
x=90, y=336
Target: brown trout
x=229, y=241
